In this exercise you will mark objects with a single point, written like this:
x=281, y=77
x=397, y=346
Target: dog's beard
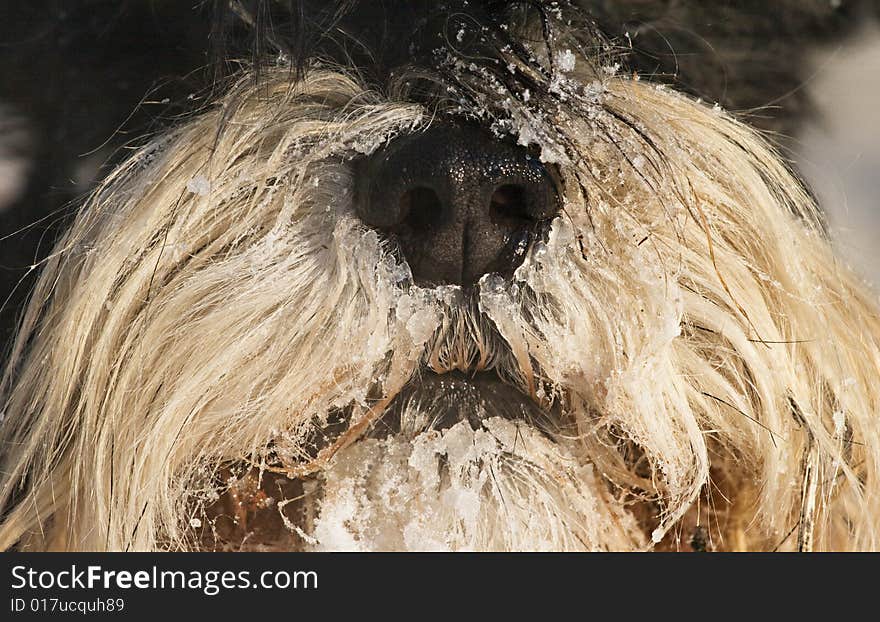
x=455, y=463
x=472, y=453
x=500, y=487
x=460, y=463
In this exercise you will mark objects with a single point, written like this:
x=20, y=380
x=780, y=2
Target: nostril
x=509, y=206
x=456, y=203
x=421, y=209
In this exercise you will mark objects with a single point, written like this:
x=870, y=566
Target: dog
x=511, y=296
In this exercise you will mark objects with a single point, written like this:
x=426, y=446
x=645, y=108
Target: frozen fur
x=216, y=305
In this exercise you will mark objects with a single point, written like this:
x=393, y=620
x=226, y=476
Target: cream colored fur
x=216, y=300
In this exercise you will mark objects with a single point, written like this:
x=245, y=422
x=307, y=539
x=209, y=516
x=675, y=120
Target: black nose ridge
x=459, y=202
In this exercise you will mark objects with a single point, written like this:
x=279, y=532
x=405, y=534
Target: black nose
x=459, y=202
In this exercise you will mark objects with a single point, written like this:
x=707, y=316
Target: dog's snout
x=458, y=202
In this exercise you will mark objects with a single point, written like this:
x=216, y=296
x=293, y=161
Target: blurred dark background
x=79, y=80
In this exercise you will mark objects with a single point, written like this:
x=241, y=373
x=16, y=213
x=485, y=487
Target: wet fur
x=216, y=304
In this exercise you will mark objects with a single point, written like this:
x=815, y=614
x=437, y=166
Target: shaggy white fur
x=217, y=307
